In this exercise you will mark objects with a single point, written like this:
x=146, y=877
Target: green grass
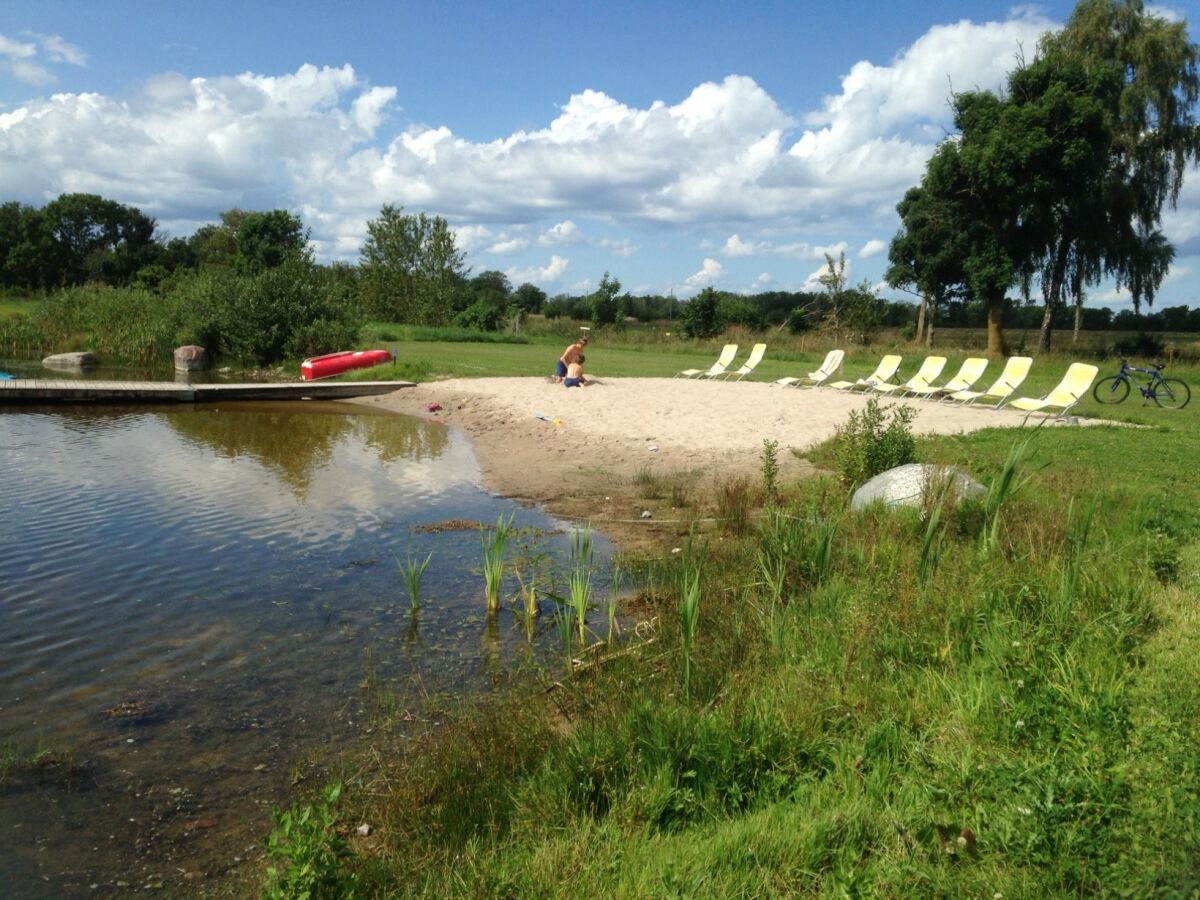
x=841, y=715
x=998, y=700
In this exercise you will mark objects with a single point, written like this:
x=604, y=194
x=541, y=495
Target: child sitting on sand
x=574, y=377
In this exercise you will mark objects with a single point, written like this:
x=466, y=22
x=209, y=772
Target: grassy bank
x=995, y=699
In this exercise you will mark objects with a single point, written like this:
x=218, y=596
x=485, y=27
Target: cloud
x=552, y=271
x=727, y=152
x=813, y=282
x=710, y=271
x=763, y=279
x=566, y=232
x=872, y=248
x=59, y=50
x=735, y=246
x=26, y=60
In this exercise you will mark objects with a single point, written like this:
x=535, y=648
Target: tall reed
x=1078, y=527
x=579, y=582
x=689, y=617
x=412, y=572
x=1003, y=487
x=614, y=591
x=493, y=560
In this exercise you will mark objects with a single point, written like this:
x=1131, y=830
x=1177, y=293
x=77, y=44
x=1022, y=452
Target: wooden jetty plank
x=33, y=390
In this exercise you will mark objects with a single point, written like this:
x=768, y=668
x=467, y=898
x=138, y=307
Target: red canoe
x=344, y=361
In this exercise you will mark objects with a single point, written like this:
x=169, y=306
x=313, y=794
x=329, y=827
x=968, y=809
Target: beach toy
x=432, y=407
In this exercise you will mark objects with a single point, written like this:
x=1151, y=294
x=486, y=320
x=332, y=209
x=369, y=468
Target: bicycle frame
x=1147, y=389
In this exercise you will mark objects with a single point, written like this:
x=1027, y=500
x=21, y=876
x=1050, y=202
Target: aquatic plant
x=614, y=590
x=412, y=572
x=579, y=582
x=493, y=560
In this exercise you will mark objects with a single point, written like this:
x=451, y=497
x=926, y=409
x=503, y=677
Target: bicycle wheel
x=1171, y=393
x=1111, y=390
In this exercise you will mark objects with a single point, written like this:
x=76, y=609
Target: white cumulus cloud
x=871, y=248
x=710, y=271
x=546, y=274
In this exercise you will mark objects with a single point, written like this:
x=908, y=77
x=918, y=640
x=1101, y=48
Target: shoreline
x=579, y=451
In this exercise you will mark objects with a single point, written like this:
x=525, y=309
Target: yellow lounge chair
x=755, y=357
x=930, y=369
x=885, y=371
x=1010, y=379
x=1076, y=383
x=728, y=352
x=970, y=372
x=833, y=361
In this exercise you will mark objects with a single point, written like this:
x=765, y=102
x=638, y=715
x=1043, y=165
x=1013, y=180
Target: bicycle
x=1169, y=393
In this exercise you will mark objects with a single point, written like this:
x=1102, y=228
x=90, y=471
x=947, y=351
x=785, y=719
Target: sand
x=607, y=432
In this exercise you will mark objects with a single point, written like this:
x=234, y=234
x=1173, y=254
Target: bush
x=306, y=851
x=871, y=442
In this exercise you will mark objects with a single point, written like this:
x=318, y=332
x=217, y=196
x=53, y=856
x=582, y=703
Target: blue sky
x=674, y=145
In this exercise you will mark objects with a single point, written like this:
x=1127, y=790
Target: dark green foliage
x=700, y=315
x=306, y=852
x=603, y=302
x=265, y=240
x=871, y=442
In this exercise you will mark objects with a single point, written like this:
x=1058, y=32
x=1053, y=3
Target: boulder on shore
x=191, y=358
x=81, y=360
x=903, y=485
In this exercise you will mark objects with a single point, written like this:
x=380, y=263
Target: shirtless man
x=573, y=353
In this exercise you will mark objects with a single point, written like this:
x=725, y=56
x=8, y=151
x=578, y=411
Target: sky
x=675, y=145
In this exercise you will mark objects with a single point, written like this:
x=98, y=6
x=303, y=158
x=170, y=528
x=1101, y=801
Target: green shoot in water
x=493, y=561
x=579, y=582
x=412, y=572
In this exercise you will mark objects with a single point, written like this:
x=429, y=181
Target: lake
x=198, y=603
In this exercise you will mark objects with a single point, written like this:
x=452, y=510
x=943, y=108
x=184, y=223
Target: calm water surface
x=196, y=603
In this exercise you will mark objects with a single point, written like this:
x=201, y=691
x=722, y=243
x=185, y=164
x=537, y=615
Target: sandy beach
x=539, y=441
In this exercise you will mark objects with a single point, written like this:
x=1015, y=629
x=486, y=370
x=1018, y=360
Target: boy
x=573, y=353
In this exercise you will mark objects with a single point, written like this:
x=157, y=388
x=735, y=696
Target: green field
x=994, y=700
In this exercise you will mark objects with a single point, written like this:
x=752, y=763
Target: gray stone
x=902, y=486
x=191, y=358
x=82, y=360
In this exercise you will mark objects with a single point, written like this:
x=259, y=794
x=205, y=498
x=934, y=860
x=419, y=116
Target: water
x=196, y=603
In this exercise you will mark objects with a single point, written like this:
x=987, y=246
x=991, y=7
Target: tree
x=529, y=297
x=265, y=240
x=603, y=302
x=699, y=316
x=926, y=253
x=411, y=269
x=81, y=237
x=1150, y=71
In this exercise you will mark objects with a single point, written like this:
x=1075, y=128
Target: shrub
x=871, y=442
x=307, y=851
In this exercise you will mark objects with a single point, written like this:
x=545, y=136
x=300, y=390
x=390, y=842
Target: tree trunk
x=921, y=319
x=929, y=322
x=1044, y=336
x=1053, y=292
x=995, y=326
x=1078, y=320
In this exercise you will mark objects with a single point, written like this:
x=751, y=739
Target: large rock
x=902, y=486
x=191, y=358
x=83, y=360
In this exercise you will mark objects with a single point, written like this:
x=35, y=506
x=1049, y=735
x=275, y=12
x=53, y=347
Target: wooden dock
x=48, y=391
